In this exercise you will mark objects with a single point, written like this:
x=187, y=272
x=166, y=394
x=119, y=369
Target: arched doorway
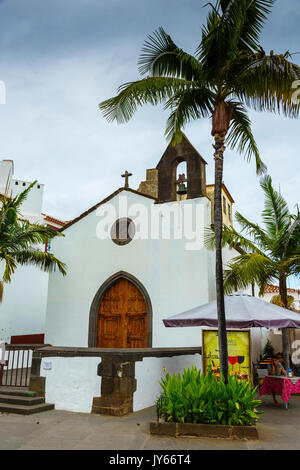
x=122, y=317
x=121, y=314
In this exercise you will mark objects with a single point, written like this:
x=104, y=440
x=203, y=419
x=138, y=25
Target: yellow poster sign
x=239, y=353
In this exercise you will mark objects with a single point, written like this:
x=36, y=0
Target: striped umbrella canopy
x=242, y=311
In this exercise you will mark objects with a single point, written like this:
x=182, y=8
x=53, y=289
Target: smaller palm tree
x=270, y=254
x=19, y=240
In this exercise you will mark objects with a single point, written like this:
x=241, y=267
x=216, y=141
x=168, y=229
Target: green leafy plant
x=268, y=349
x=277, y=300
x=193, y=398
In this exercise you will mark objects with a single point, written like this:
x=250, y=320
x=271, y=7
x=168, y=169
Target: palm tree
x=19, y=239
x=270, y=254
x=229, y=72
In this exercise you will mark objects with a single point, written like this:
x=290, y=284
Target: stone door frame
x=93, y=318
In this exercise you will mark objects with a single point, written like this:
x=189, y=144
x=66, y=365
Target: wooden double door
x=122, y=317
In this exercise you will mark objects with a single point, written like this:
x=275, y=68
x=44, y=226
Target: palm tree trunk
x=285, y=331
x=218, y=155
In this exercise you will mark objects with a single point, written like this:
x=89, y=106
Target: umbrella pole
x=286, y=348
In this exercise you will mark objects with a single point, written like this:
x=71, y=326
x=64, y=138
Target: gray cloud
x=60, y=58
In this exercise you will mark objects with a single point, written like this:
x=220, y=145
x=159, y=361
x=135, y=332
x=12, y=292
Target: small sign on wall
x=2, y=356
x=47, y=365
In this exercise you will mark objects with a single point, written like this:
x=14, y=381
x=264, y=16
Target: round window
x=122, y=231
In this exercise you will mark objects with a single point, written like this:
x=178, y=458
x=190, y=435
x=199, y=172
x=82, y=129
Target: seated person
x=276, y=368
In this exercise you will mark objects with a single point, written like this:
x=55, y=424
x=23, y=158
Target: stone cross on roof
x=126, y=176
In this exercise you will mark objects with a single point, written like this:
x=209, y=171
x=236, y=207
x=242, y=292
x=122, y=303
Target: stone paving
x=62, y=430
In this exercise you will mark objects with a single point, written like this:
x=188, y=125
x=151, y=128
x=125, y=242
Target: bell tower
x=165, y=185
x=166, y=172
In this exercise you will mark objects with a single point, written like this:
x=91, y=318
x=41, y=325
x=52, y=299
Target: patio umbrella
x=242, y=311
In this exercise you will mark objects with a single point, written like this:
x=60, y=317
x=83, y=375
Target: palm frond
x=10, y=207
x=212, y=45
x=291, y=266
x=291, y=237
x=152, y=90
x=45, y=261
x=10, y=266
x=266, y=83
x=233, y=281
x=186, y=106
x=19, y=240
x=8, y=217
x=245, y=19
x=161, y=57
x=231, y=26
x=254, y=231
x=24, y=234
x=240, y=137
x=247, y=269
x=19, y=199
x=230, y=238
x=276, y=212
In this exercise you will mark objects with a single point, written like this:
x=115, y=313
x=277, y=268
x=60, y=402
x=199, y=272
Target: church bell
x=181, y=189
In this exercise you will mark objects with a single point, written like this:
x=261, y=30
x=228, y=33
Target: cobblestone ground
x=279, y=429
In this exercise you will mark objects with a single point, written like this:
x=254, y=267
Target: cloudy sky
x=60, y=58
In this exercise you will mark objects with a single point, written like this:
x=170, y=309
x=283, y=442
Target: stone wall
x=150, y=186
x=76, y=380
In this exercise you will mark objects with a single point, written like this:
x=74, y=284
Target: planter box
x=203, y=430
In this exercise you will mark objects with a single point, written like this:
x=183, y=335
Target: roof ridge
x=184, y=137
x=108, y=198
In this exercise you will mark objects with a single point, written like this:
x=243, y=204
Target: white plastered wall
x=72, y=382
x=150, y=371
x=175, y=278
x=23, y=309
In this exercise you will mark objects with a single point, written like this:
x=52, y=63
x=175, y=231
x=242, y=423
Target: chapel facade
x=135, y=258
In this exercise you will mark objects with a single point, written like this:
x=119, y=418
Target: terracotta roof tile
x=270, y=289
x=54, y=220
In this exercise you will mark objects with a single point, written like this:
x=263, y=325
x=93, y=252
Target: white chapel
x=135, y=258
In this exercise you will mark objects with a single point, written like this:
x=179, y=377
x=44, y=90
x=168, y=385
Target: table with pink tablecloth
x=284, y=386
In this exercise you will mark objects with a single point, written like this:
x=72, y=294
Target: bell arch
x=181, y=168
x=195, y=171
x=93, y=317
